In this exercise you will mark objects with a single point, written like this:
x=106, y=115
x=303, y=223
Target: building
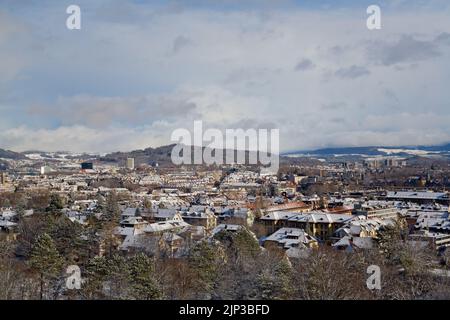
x=76, y=216
x=419, y=196
x=359, y=233
x=376, y=211
x=438, y=222
x=7, y=226
x=165, y=238
x=438, y=241
x=130, y=163
x=159, y=228
x=297, y=206
x=87, y=166
x=129, y=213
x=244, y=215
x=320, y=225
x=276, y=220
x=205, y=218
x=166, y=215
x=133, y=222
x=227, y=228
x=351, y=243
x=45, y=170
x=287, y=238
x=379, y=162
x=3, y=178
x=9, y=229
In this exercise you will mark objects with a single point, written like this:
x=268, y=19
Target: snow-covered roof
x=416, y=195
x=358, y=242
x=165, y=226
x=433, y=220
x=7, y=224
x=227, y=227
x=129, y=212
x=291, y=237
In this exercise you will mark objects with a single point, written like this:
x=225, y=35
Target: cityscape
x=224, y=151
x=136, y=226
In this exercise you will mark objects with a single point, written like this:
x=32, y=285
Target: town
x=139, y=227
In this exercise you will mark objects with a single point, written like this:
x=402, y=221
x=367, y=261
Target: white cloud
x=83, y=139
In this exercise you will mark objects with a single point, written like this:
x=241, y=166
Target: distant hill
x=160, y=155
x=340, y=151
x=377, y=151
x=440, y=148
x=6, y=154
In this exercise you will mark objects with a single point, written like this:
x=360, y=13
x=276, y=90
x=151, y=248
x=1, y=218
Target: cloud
x=443, y=38
x=82, y=139
x=404, y=50
x=15, y=41
x=138, y=70
x=102, y=112
x=179, y=43
x=334, y=106
x=352, y=72
x=305, y=64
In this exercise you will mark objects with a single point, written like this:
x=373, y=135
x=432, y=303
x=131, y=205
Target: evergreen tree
x=144, y=285
x=111, y=211
x=240, y=245
x=274, y=280
x=56, y=204
x=138, y=212
x=96, y=274
x=46, y=261
x=118, y=277
x=67, y=236
x=205, y=260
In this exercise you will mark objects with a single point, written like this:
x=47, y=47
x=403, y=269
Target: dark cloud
x=405, y=50
x=443, y=38
x=390, y=94
x=179, y=43
x=305, y=64
x=338, y=50
x=352, y=72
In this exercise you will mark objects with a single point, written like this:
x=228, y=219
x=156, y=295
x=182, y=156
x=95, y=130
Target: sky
x=137, y=70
